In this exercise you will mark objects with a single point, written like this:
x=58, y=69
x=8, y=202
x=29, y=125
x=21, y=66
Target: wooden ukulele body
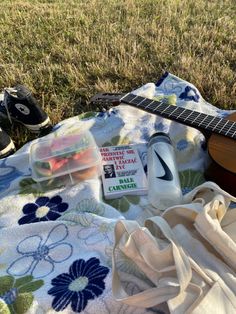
x=222, y=169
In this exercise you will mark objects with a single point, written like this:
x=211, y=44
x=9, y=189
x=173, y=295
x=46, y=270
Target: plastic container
x=164, y=188
x=65, y=160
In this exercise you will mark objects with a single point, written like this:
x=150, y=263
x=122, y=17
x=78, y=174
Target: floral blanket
x=56, y=246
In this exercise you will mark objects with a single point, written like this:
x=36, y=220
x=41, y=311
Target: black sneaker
x=7, y=147
x=18, y=104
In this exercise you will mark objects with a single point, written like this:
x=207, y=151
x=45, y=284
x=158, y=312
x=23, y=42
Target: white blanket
x=56, y=247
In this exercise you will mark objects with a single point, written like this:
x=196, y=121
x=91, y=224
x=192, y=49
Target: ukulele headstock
x=107, y=98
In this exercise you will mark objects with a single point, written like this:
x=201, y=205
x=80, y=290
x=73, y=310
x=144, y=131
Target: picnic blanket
x=56, y=246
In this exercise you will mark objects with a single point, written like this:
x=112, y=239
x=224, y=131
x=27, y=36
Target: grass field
x=66, y=51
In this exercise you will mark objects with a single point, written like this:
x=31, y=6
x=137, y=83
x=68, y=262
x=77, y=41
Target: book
x=122, y=172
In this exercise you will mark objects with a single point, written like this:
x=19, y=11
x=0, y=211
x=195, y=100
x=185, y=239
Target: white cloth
x=56, y=247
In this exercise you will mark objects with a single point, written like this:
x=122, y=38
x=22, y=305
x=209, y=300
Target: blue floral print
x=222, y=113
x=7, y=175
x=106, y=113
x=43, y=209
x=83, y=282
x=182, y=144
x=144, y=129
x=145, y=134
x=161, y=127
x=147, y=127
x=162, y=78
x=38, y=256
x=189, y=93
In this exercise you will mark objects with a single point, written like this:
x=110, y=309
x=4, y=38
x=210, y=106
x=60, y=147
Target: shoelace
x=10, y=90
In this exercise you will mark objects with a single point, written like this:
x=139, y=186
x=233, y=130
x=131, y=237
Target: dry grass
x=66, y=51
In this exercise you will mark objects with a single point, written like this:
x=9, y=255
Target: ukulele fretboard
x=186, y=116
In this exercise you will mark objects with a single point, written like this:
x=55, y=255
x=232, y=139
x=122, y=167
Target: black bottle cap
x=159, y=137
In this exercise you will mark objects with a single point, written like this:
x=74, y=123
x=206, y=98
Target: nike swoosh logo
x=168, y=176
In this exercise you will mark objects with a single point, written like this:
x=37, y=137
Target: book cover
x=122, y=172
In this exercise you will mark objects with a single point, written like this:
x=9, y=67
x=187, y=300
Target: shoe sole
x=10, y=149
x=35, y=128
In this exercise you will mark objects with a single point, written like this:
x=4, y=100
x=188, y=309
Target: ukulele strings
x=194, y=118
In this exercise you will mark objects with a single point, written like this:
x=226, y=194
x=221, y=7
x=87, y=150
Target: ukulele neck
x=195, y=119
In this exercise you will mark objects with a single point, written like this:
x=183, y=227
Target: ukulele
x=220, y=133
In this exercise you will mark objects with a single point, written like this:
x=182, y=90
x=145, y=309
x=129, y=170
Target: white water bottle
x=164, y=188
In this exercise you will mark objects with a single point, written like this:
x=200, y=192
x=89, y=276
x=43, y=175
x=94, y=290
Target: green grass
x=66, y=51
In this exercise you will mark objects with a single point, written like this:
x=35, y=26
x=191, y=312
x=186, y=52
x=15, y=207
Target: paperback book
x=122, y=172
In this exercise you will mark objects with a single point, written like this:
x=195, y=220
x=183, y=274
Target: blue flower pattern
x=162, y=78
x=222, y=113
x=182, y=144
x=145, y=134
x=161, y=127
x=106, y=113
x=7, y=175
x=38, y=256
x=147, y=128
x=43, y=209
x=83, y=282
x=189, y=94
x=97, y=232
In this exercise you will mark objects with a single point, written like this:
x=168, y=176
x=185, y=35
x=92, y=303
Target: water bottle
x=164, y=188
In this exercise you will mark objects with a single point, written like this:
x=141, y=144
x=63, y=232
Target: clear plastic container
x=65, y=160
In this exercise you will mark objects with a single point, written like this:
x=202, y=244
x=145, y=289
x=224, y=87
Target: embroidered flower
x=189, y=93
x=38, y=256
x=83, y=282
x=43, y=209
x=84, y=212
x=97, y=232
x=16, y=294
